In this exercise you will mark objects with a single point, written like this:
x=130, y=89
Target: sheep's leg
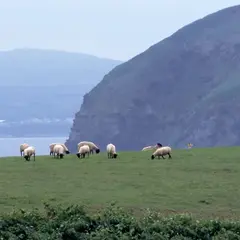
x=169, y=155
x=163, y=157
x=21, y=153
x=34, y=157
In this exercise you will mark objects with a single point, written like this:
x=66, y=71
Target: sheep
x=28, y=152
x=148, y=148
x=83, y=150
x=162, y=151
x=111, y=151
x=23, y=147
x=158, y=145
x=91, y=145
x=51, y=146
x=59, y=150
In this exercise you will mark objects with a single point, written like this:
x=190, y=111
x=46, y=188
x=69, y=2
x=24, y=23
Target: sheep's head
x=97, y=150
x=159, y=145
x=26, y=158
x=152, y=157
x=115, y=155
x=67, y=152
x=78, y=155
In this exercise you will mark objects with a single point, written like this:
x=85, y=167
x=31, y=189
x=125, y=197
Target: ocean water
x=10, y=146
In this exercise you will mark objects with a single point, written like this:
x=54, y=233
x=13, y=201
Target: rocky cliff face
x=185, y=88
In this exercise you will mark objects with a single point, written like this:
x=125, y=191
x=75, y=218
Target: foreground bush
x=113, y=223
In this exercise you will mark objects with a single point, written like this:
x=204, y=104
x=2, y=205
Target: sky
x=117, y=29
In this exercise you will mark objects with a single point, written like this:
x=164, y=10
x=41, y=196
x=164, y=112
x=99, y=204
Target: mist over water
x=10, y=146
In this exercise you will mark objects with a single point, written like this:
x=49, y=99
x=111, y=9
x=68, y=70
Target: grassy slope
x=202, y=181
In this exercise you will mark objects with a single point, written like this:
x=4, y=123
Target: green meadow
x=203, y=182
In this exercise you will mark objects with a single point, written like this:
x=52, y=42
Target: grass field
x=204, y=182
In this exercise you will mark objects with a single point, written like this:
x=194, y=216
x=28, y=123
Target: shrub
x=112, y=223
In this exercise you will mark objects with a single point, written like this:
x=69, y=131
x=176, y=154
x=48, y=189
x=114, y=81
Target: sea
x=10, y=146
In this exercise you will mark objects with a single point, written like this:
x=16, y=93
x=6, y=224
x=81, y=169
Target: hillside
x=42, y=89
x=133, y=181
x=194, y=195
x=182, y=89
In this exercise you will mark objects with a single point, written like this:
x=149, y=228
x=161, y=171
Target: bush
x=113, y=223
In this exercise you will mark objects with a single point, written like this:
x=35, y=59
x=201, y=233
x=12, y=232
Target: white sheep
x=23, y=147
x=51, y=146
x=59, y=150
x=111, y=151
x=83, y=150
x=158, y=145
x=91, y=145
x=148, y=148
x=28, y=152
x=161, y=152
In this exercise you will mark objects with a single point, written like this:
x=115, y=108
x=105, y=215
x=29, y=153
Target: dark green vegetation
x=182, y=89
x=47, y=85
x=112, y=223
x=203, y=182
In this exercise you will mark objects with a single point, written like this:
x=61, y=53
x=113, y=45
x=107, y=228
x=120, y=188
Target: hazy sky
x=118, y=29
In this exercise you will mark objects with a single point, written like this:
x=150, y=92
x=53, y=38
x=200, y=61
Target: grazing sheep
x=83, y=150
x=59, y=150
x=23, y=147
x=91, y=145
x=162, y=151
x=111, y=151
x=158, y=145
x=51, y=146
x=28, y=152
x=148, y=148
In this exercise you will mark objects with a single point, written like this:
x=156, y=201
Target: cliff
x=183, y=89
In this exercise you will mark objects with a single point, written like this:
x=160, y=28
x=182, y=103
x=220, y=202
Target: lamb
x=91, y=145
x=111, y=151
x=59, y=150
x=83, y=150
x=28, y=152
x=23, y=147
x=51, y=146
x=162, y=151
